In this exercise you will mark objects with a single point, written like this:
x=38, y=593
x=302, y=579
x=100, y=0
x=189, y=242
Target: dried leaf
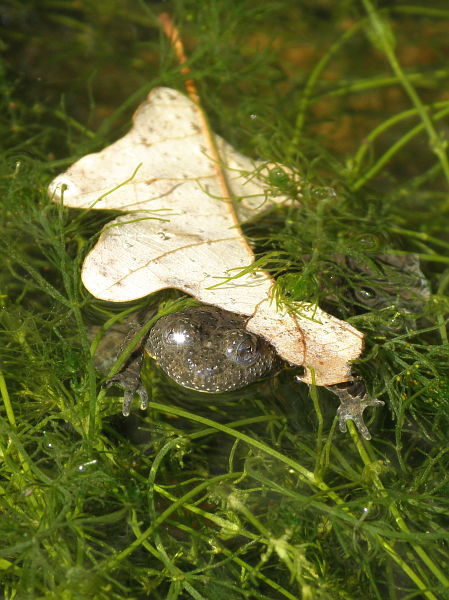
x=179, y=232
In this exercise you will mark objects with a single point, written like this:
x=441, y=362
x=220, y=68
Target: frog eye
x=242, y=348
x=179, y=332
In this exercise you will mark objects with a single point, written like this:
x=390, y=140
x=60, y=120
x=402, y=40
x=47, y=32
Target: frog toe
x=131, y=387
x=128, y=397
x=353, y=401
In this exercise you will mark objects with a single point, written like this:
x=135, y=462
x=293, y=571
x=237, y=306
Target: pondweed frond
x=252, y=494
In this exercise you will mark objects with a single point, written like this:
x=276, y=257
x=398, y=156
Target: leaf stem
x=173, y=36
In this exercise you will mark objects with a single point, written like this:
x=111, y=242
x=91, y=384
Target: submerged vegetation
x=254, y=493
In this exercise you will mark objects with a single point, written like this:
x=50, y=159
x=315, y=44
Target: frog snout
x=205, y=373
x=202, y=367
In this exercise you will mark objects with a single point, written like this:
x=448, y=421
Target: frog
x=208, y=349
x=204, y=348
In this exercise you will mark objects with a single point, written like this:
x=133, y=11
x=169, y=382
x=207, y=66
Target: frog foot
x=131, y=385
x=353, y=401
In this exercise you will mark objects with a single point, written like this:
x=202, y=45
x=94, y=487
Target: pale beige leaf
x=163, y=155
x=183, y=234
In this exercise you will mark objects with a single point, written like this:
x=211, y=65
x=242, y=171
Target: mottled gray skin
x=204, y=348
x=208, y=349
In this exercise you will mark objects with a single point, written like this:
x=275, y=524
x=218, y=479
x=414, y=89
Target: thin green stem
x=319, y=437
x=426, y=257
x=69, y=277
x=311, y=83
x=419, y=235
x=116, y=559
x=353, y=87
x=7, y=400
x=442, y=322
x=176, y=573
x=393, y=150
x=395, y=511
x=307, y=475
x=438, y=145
x=231, y=555
x=384, y=126
x=409, y=571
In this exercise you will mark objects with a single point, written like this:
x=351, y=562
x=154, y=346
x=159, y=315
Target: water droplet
x=324, y=192
x=87, y=464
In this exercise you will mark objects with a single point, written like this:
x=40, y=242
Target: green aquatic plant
x=255, y=493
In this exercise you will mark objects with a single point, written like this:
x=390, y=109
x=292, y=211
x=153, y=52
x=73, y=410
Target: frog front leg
x=128, y=378
x=353, y=401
